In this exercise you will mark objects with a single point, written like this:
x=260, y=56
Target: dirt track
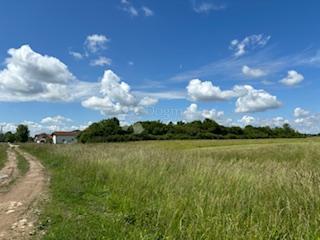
x=9, y=172
x=17, y=212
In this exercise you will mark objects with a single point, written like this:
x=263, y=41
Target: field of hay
x=237, y=189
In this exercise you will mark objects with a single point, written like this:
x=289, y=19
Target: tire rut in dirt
x=17, y=212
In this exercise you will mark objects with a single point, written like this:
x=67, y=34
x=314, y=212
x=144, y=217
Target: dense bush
x=21, y=135
x=110, y=131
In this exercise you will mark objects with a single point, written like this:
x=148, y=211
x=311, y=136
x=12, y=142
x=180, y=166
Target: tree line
x=21, y=135
x=109, y=130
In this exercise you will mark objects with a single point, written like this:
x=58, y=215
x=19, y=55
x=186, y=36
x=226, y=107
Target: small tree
x=10, y=137
x=2, y=139
x=22, y=133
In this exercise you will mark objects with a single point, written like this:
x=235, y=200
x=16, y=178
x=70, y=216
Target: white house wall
x=64, y=139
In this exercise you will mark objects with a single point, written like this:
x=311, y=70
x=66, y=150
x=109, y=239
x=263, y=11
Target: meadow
x=227, y=189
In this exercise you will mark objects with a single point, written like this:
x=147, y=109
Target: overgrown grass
x=3, y=155
x=22, y=164
x=266, y=189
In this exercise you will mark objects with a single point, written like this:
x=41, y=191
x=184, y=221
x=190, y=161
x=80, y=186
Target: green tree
x=100, y=131
x=110, y=131
x=2, y=139
x=22, y=133
x=9, y=137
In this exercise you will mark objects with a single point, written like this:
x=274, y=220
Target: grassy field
x=3, y=155
x=237, y=189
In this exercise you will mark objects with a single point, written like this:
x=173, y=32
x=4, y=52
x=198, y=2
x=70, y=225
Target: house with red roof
x=42, y=138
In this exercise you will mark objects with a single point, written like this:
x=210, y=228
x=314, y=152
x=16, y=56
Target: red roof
x=71, y=134
x=42, y=135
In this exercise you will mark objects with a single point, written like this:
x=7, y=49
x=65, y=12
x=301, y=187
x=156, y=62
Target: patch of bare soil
x=18, y=212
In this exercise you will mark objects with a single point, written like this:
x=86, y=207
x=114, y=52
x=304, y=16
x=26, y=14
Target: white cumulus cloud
x=278, y=122
x=30, y=76
x=253, y=100
x=205, y=91
x=248, y=98
x=292, y=79
x=273, y=122
x=253, y=72
x=192, y=113
x=300, y=112
x=247, y=120
x=306, y=121
x=117, y=98
x=96, y=42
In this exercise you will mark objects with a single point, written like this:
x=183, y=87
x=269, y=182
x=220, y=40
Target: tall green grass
x=161, y=190
x=3, y=155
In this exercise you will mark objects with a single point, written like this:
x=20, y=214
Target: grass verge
x=22, y=164
x=3, y=155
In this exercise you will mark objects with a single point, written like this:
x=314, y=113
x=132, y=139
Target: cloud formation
x=101, y=62
x=247, y=120
x=227, y=69
x=205, y=91
x=133, y=11
x=206, y=7
x=55, y=120
x=293, y=78
x=253, y=72
x=96, y=42
x=253, y=100
x=76, y=55
x=192, y=113
x=147, y=11
x=248, y=98
x=241, y=47
x=273, y=122
x=46, y=125
x=30, y=76
x=306, y=121
x=300, y=112
x=117, y=98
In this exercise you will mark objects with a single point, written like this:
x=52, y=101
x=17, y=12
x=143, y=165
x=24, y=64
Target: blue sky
x=68, y=63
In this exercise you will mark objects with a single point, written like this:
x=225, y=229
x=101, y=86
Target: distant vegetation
x=235, y=189
x=110, y=131
x=21, y=135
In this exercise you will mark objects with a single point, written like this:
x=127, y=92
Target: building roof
x=42, y=135
x=66, y=134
